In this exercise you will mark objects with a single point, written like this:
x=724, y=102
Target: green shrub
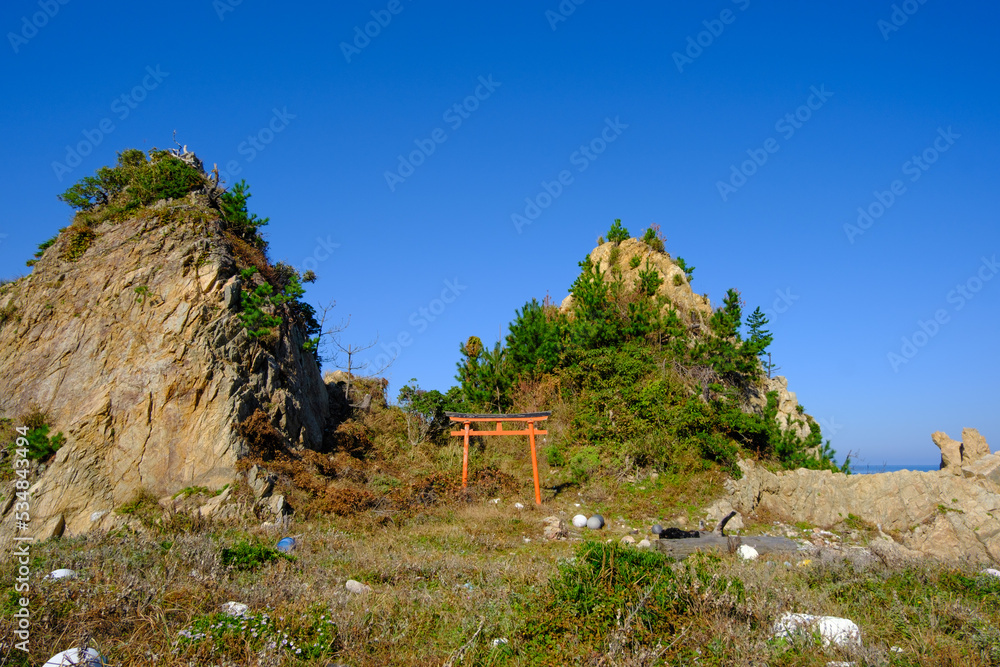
x=41, y=447
x=584, y=462
x=678, y=281
x=688, y=270
x=617, y=233
x=634, y=261
x=247, y=556
x=654, y=239
x=237, y=218
x=649, y=280
x=78, y=244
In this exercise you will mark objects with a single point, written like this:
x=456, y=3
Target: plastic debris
x=286, y=545
x=236, y=609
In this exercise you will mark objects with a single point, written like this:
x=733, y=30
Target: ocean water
x=871, y=468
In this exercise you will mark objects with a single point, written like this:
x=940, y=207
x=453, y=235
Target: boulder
x=985, y=470
x=831, y=629
x=357, y=587
x=951, y=451
x=974, y=445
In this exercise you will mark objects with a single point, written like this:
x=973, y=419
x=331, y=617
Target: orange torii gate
x=529, y=417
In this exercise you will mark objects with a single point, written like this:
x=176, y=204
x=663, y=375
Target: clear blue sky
x=681, y=94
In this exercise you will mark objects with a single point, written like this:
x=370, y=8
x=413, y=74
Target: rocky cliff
x=132, y=347
x=951, y=514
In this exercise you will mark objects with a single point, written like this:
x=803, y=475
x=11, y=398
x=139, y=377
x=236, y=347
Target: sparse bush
x=249, y=556
x=262, y=438
x=634, y=261
x=617, y=233
x=79, y=241
x=654, y=238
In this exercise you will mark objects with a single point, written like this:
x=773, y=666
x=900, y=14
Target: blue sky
x=750, y=132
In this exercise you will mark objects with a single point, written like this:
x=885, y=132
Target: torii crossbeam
x=530, y=417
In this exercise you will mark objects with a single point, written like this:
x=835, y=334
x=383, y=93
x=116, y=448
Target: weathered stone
x=718, y=511
x=974, y=446
x=357, y=587
x=54, y=527
x=831, y=629
x=553, y=528
x=232, y=295
x=951, y=452
x=936, y=513
x=260, y=482
x=892, y=554
x=136, y=360
x=628, y=539
x=986, y=470
x=212, y=506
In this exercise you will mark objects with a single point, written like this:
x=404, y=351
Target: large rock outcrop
x=135, y=352
x=956, y=455
x=938, y=514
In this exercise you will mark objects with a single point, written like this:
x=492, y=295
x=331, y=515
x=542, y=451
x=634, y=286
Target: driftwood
x=683, y=548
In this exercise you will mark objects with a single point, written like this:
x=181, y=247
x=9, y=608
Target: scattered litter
x=499, y=641
x=832, y=630
x=519, y=506
x=286, y=545
x=61, y=573
x=595, y=522
x=576, y=504
x=896, y=649
x=990, y=571
x=805, y=562
x=357, y=587
x=90, y=658
x=747, y=552
x=236, y=609
x=579, y=521
x=495, y=501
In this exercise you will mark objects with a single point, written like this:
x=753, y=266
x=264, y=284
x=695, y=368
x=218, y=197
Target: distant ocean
x=869, y=469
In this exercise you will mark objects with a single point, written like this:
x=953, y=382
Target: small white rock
x=237, y=609
x=61, y=573
x=990, y=571
x=747, y=552
x=579, y=521
x=89, y=658
x=499, y=641
x=832, y=630
x=628, y=539
x=357, y=587
x=643, y=543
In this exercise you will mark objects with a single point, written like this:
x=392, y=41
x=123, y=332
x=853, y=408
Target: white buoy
x=579, y=521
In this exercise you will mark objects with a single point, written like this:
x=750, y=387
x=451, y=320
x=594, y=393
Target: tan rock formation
x=690, y=306
x=133, y=355
x=957, y=455
x=936, y=513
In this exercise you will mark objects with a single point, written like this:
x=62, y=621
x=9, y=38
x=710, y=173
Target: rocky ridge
x=135, y=352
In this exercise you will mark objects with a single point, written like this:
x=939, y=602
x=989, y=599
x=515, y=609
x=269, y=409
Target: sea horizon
x=873, y=468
